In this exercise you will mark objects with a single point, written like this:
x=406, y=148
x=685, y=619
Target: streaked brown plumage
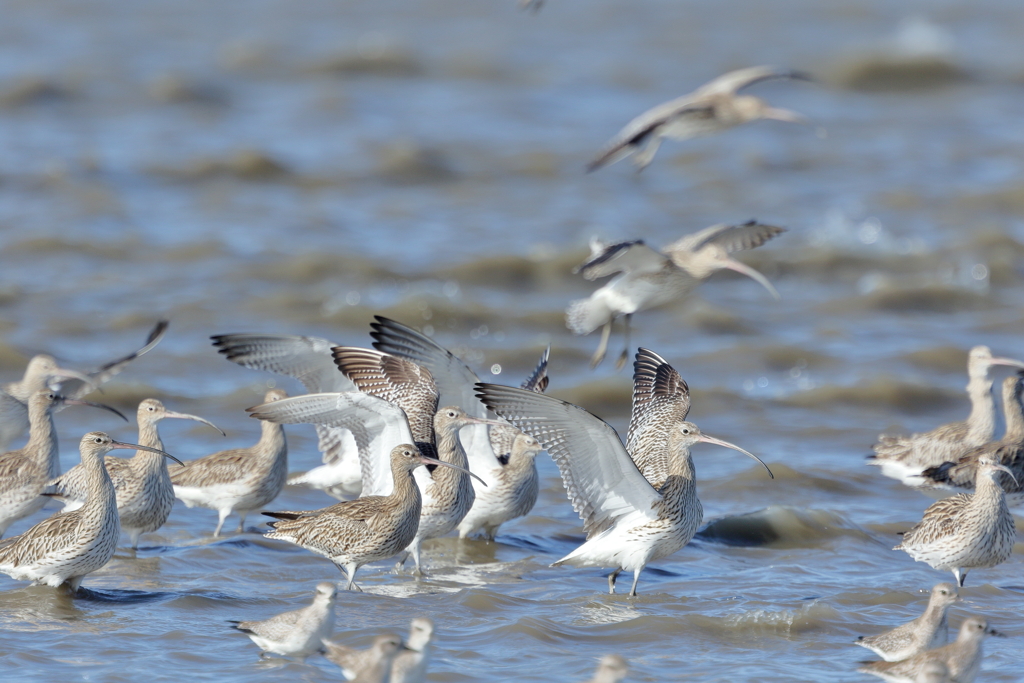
x=240, y=479
x=1008, y=451
x=145, y=494
x=906, y=457
x=965, y=531
x=354, y=532
x=630, y=520
x=69, y=545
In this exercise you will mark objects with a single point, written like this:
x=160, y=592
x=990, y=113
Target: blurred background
x=297, y=167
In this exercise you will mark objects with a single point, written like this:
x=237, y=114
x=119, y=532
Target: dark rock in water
x=247, y=164
x=173, y=88
x=891, y=73
x=32, y=90
x=390, y=61
x=406, y=162
x=879, y=393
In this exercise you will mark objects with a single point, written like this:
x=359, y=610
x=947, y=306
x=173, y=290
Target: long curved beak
x=743, y=268
x=137, y=447
x=1006, y=361
x=786, y=115
x=1008, y=471
x=433, y=461
x=718, y=442
x=186, y=416
x=485, y=421
x=66, y=373
x=80, y=402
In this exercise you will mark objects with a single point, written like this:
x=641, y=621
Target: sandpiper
x=298, y=633
x=927, y=632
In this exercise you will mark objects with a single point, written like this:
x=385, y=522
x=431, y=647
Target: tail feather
x=586, y=315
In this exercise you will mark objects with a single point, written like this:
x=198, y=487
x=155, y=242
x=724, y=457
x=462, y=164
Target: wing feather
x=625, y=257
x=600, y=479
x=661, y=400
x=729, y=238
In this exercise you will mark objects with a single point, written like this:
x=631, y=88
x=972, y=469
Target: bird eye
x=685, y=430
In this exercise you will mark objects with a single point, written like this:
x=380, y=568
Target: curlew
x=240, y=479
x=371, y=528
x=961, y=658
x=905, y=457
x=959, y=476
x=611, y=669
x=309, y=360
x=373, y=665
x=298, y=633
x=711, y=108
x=24, y=473
x=646, y=278
x=43, y=372
x=145, y=494
x=965, y=531
x=65, y=547
x=501, y=455
x=377, y=425
x=638, y=503
x=928, y=631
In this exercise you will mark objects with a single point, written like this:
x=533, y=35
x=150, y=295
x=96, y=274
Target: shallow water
x=297, y=168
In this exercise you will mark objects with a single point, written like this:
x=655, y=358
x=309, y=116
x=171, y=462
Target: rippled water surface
x=297, y=167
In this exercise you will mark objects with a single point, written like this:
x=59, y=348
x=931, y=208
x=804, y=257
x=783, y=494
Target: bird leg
x=636, y=579
x=602, y=346
x=223, y=514
x=401, y=561
x=960, y=576
x=625, y=350
x=416, y=545
x=241, y=521
x=350, y=571
x=134, y=535
x=611, y=581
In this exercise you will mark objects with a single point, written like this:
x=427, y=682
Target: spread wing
x=625, y=257
x=399, y=382
x=452, y=377
x=661, y=401
x=601, y=480
x=637, y=131
x=74, y=388
x=734, y=81
x=729, y=238
x=307, y=359
x=376, y=425
x=538, y=379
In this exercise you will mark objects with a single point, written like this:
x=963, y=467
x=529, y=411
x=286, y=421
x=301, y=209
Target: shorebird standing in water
x=67, y=546
x=906, y=457
x=373, y=665
x=298, y=633
x=24, y=473
x=645, y=278
x=399, y=405
x=928, y=631
x=501, y=455
x=145, y=494
x=44, y=373
x=967, y=530
x=309, y=360
x=962, y=658
x=371, y=528
x=240, y=479
x=638, y=503
x=960, y=476
x=711, y=108
x=411, y=663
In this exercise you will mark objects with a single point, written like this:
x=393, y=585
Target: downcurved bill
x=1002, y=468
x=433, y=461
x=1006, y=361
x=186, y=416
x=103, y=406
x=718, y=442
x=743, y=268
x=787, y=115
x=137, y=447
